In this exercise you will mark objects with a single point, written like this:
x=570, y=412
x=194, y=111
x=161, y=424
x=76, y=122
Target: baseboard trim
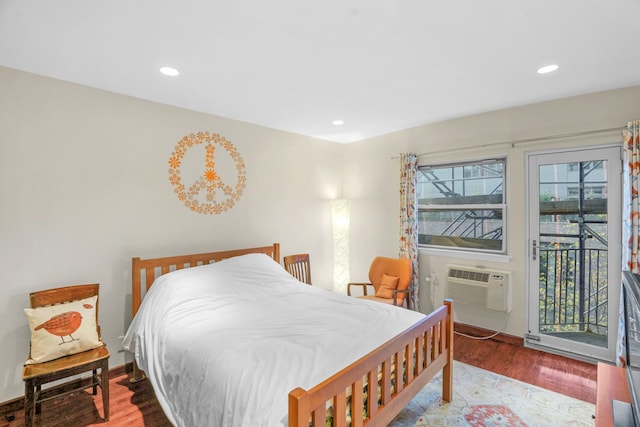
x=15, y=405
x=476, y=331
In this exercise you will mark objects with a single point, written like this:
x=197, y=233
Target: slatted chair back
x=298, y=266
x=65, y=294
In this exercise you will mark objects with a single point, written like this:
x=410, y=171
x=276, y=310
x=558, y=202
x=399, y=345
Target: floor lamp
x=340, y=214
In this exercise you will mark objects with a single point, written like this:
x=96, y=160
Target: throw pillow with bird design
x=62, y=329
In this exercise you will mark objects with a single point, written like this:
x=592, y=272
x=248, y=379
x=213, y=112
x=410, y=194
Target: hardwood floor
x=134, y=405
x=557, y=373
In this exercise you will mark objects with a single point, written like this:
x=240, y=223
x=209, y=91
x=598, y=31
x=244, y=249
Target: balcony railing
x=573, y=290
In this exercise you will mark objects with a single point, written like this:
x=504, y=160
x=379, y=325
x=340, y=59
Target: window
x=462, y=206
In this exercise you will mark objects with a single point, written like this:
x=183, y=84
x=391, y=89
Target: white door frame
x=614, y=233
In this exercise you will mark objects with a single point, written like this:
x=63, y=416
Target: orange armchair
x=390, y=278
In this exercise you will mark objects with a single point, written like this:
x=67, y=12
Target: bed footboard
x=374, y=389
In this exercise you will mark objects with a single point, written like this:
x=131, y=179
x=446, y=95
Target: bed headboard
x=149, y=267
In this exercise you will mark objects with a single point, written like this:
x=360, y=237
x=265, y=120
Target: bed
x=231, y=339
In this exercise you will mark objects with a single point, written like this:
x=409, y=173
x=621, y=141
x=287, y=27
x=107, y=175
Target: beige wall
x=84, y=187
x=372, y=185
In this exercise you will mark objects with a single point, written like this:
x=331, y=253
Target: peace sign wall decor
x=210, y=192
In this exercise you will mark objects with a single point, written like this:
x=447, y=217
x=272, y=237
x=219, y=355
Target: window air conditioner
x=479, y=287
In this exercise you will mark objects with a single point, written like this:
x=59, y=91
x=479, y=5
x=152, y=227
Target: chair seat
x=65, y=363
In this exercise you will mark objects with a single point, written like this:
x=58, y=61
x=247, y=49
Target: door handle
x=534, y=250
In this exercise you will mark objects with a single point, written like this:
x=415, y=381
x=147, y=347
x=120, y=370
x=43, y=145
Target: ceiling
x=380, y=66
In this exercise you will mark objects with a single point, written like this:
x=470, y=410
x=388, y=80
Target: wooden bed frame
x=398, y=369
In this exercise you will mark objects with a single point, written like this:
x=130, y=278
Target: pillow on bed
x=62, y=329
x=387, y=286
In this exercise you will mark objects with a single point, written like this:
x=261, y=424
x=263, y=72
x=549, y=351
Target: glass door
x=574, y=251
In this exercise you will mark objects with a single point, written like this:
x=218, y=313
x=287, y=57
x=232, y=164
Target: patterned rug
x=484, y=399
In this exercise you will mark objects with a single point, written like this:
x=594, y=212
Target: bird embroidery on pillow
x=63, y=324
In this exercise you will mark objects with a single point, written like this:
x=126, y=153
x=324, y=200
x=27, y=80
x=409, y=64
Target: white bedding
x=224, y=344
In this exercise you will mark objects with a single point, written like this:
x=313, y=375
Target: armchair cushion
x=62, y=329
x=387, y=286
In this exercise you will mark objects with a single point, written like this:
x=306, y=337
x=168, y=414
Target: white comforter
x=224, y=344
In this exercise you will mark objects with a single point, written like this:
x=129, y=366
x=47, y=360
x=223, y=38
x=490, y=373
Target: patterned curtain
x=409, y=218
x=630, y=186
x=630, y=214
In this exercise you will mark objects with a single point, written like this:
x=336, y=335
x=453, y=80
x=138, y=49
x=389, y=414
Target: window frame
x=422, y=208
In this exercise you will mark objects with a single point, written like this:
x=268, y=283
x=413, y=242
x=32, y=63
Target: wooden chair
x=299, y=267
x=390, y=279
x=35, y=375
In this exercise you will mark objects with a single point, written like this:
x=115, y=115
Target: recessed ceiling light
x=168, y=71
x=338, y=122
x=547, y=69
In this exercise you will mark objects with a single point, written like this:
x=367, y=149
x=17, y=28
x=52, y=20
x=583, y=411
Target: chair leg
x=95, y=386
x=36, y=399
x=104, y=372
x=29, y=400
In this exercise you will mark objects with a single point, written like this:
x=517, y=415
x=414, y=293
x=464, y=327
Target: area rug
x=484, y=399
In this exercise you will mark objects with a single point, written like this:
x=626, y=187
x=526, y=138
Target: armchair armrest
x=407, y=296
x=364, y=287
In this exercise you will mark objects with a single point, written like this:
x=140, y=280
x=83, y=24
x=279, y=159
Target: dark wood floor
x=557, y=373
x=135, y=405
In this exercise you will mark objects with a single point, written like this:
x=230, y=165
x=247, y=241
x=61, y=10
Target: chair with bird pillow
x=65, y=342
x=390, y=279
x=299, y=267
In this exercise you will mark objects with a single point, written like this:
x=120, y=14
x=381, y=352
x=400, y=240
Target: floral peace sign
x=203, y=196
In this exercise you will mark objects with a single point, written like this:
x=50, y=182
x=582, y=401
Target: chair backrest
x=396, y=267
x=65, y=294
x=299, y=267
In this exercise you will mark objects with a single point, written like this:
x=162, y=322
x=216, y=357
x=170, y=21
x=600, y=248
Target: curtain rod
x=515, y=142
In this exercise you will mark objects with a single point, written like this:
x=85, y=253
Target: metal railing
x=573, y=290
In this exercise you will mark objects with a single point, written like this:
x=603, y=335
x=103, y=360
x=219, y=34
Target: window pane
x=561, y=182
x=471, y=229
x=465, y=184
x=446, y=215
